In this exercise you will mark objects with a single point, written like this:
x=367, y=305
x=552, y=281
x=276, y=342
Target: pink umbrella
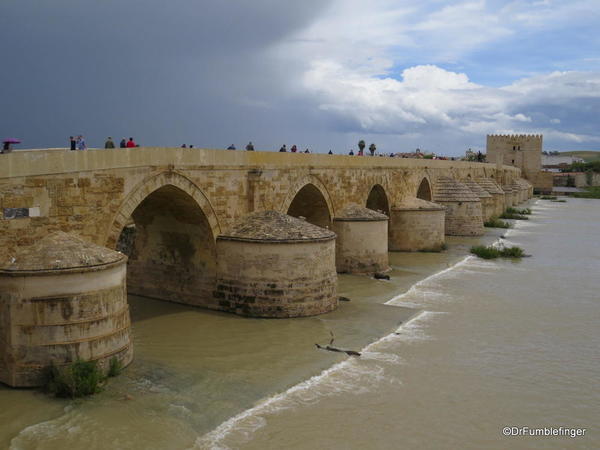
x=12, y=141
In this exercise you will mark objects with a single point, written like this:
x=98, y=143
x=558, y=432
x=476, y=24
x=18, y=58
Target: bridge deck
x=58, y=161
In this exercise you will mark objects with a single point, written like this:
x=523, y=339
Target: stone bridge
x=212, y=228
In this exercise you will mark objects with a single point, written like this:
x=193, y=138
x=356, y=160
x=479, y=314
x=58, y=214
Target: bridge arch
x=378, y=200
x=171, y=245
x=150, y=184
x=309, y=198
x=424, y=190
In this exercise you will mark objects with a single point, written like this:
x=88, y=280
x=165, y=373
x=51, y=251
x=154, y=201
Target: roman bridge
x=244, y=232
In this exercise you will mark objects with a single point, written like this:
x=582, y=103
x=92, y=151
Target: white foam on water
x=179, y=411
x=353, y=375
x=389, y=358
x=413, y=330
x=69, y=423
x=416, y=290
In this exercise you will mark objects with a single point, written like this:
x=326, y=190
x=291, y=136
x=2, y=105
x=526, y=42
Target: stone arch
x=378, y=200
x=151, y=184
x=424, y=191
x=172, y=250
x=309, y=198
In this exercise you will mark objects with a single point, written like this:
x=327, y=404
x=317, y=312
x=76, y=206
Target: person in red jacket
x=131, y=143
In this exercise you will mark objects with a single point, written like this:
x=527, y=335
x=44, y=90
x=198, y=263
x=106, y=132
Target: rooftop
x=58, y=251
x=490, y=185
x=449, y=190
x=274, y=226
x=356, y=212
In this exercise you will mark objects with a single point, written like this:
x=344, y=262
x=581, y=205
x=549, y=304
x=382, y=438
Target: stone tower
x=523, y=151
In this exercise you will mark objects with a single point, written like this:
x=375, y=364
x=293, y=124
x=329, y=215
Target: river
x=454, y=349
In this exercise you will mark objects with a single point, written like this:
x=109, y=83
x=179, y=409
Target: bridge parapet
x=92, y=193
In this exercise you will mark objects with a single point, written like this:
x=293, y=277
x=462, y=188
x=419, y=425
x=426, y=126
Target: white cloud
x=348, y=62
x=428, y=97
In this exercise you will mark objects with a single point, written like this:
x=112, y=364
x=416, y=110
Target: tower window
x=513, y=161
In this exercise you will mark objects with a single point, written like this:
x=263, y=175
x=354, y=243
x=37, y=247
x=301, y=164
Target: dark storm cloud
x=166, y=72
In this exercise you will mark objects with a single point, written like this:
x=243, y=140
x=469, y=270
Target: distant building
x=551, y=163
x=523, y=151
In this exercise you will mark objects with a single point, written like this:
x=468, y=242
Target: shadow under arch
x=378, y=200
x=170, y=240
x=424, y=190
x=311, y=201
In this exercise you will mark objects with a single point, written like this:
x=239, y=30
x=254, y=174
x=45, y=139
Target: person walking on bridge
x=109, y=143
x=283, y=148
x=73, y=143
x=123, y=143
x=250, y=147
x=131, y=143
x=81, y=143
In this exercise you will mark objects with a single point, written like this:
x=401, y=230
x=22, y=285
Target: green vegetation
x=590, y=166
x=590, y=192
x=514, y=216
x=525, y=211
x=587, y=156
x=548, y=197
x=114, y=367
x=491, y=252
x=494, y=222
x=512, y=252
x=79, y=379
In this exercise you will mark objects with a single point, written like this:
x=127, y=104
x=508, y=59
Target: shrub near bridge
x=494, y=222
x=78, y=379
x=491, y=252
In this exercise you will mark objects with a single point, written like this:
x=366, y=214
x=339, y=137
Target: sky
x=323, y=74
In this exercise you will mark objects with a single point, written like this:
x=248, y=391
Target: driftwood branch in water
x=330, y=348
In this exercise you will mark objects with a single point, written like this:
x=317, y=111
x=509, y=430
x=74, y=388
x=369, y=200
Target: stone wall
x=361, y=246
x=181, y=200
x=61, y=318
x=542, y=181
x=280, y=280
x=417, y=230
x=94, y=193
x=463, y=219
x=523, y=151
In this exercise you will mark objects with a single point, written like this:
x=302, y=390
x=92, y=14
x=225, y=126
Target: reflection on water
x=463, y=347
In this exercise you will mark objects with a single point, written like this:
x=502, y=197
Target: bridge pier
x=486, y=199
x=362, y=241
x=463, y=208
x=509, y=195
x=417, y=225
x=496, y=192
x=274, y=265
x=61, y=300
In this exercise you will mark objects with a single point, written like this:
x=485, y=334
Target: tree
x=361, y=145
x=372, y=149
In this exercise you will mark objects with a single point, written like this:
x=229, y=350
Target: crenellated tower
x=520, y=150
